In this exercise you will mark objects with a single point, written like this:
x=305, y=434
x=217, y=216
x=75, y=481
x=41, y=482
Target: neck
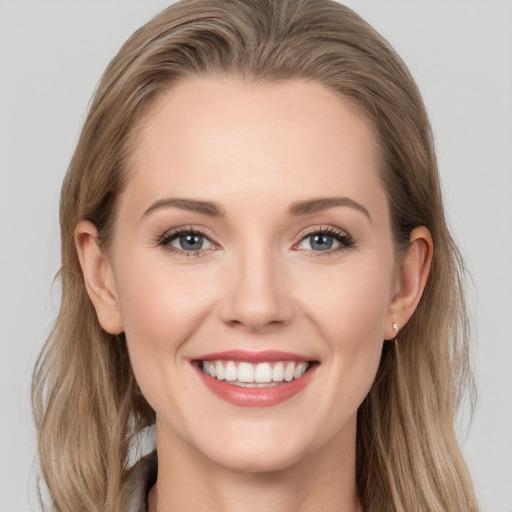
x=323, y=480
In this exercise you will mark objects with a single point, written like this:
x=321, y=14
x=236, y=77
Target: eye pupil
x=321, y=242
x=191, y=242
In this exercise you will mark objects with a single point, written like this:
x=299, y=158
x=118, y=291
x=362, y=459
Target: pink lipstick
x=255, y=379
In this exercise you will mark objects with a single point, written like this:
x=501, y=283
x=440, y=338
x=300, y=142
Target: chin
x=257, y=460
x=269, y=447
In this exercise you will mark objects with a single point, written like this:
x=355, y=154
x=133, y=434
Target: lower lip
x=256, y=397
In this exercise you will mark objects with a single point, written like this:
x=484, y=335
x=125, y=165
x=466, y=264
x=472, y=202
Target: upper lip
x=253, y=356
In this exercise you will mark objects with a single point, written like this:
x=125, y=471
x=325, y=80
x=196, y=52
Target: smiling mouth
x=249, y=375
x=246, y=378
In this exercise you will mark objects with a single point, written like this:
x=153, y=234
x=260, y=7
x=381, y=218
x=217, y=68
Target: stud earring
x=396, y=329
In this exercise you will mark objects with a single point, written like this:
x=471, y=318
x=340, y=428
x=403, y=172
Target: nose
x=257, y=292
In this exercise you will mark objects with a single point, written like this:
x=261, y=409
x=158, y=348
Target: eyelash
x=166, y=239
x=339, y=235
x=346, y=241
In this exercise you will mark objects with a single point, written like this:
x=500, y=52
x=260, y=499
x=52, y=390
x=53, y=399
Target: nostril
x=256, y=297
x=254, y=324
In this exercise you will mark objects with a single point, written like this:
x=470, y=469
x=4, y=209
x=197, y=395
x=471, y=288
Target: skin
x=257, y=284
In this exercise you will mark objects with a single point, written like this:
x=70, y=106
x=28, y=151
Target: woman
x=252, y=209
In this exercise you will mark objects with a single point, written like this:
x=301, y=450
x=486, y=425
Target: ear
x=98, y=277
x=411, y=279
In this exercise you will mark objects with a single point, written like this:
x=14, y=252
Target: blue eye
x=187, y=241
x=326, y=240
x=321, y=242
x=190, y=242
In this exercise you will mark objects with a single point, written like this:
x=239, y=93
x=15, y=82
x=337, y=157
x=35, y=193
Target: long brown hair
x=88, y=407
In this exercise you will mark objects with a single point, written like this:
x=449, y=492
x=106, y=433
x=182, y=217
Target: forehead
x=225, y=138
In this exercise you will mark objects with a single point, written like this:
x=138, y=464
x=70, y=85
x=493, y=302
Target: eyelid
x=171, y=234
x=343, y=237
x=176, y=237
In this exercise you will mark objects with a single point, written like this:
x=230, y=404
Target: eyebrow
x=298, y=208
x=324, y=203
x=193, y=205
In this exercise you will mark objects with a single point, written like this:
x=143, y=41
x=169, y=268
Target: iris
x=321, y=242
x=191, y=242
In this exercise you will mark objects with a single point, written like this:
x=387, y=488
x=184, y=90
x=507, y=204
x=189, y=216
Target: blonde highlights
x=88, y=407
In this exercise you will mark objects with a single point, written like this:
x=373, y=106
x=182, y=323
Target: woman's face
x=253, y=240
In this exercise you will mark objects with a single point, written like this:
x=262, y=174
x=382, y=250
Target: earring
x=396, y=329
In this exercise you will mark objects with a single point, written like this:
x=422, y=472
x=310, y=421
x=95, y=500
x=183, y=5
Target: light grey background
x=52, y=53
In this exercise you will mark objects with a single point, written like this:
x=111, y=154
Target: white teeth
x=289, y=371
x=220, y=370
x=299, y=370
x=277, y=372
x=231, y=373
x=262, y=374
x=245, y=372
x=255, y=375
x=254, y=384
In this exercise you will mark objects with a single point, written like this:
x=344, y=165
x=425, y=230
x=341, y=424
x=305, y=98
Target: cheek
x=163, y=306
x=351, y=302
x=351, y=315
x=161, y=311
x=159, y=305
